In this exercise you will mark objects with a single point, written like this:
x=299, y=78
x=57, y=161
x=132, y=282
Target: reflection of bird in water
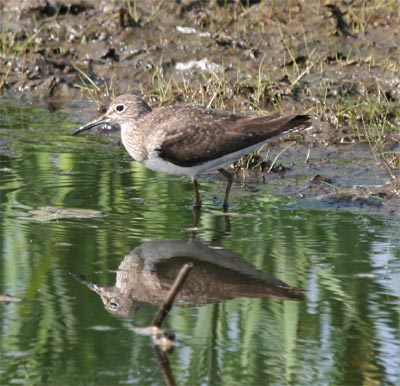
x=147, y=273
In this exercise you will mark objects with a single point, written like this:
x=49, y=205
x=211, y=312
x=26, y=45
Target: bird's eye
x=113, y=305
x=120, y=108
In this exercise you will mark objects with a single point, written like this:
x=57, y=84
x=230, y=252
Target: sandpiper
x=190, y=140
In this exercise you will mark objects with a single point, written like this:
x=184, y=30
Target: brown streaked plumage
x=190, y=140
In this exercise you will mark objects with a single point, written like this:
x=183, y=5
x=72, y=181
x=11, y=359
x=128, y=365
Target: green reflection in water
x=346, y=331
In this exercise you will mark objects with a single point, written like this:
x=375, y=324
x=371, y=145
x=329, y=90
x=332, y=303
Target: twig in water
x=173, y=292
x=161, y=338
x=165, y=366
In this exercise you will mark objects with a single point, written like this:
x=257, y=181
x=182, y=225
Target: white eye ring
x=120, y=108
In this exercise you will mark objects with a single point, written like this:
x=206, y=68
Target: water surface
x=80, y=205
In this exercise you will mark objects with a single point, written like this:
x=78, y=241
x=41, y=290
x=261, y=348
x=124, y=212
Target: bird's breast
x=133, y=143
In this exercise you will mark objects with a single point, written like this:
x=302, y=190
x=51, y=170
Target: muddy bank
x=340, y=62
x=257, y=57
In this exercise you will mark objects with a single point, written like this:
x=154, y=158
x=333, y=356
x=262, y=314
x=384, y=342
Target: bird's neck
x=133, y=141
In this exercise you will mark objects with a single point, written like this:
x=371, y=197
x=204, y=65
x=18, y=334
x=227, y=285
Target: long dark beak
x=96, y=122
x=93, y=287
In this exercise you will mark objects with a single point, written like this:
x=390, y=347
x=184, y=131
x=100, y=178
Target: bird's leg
x=197, y=199
x=196, y=221
x=229, y=177
x=228, y=227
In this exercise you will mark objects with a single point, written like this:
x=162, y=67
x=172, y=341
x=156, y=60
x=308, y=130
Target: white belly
x=159, y=165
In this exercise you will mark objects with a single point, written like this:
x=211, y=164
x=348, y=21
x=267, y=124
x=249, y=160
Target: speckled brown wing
x=211, y=134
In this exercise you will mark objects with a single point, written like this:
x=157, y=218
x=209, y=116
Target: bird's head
x=123, y=109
